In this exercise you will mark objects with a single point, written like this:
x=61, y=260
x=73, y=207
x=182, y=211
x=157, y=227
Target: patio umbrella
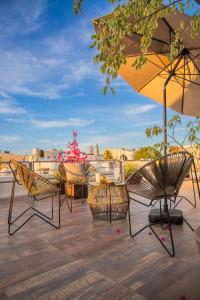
x=175, y=84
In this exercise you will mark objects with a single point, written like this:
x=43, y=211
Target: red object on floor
x=182, y=297
x=118, y=230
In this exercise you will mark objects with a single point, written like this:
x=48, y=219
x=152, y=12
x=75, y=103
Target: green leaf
x=105, y=88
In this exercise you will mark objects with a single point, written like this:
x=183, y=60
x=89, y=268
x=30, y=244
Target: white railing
x=114, y=170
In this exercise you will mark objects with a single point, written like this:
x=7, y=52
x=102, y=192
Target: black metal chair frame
x=163, y=223
x=62, y=170
x=36, y=212
x=194, y=180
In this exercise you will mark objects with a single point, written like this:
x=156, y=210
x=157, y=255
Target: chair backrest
x=160, y=177
x=32, y=182
x=62, y=171
x=73, y=172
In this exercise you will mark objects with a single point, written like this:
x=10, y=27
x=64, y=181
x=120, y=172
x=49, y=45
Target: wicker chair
x=71, y=178
x=38, y=188
x=157, y=181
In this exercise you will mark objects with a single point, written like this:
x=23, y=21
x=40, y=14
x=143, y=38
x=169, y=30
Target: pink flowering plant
x=72, y=154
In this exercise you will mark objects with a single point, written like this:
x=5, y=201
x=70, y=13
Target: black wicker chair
x=38, y=188
x=159, y=180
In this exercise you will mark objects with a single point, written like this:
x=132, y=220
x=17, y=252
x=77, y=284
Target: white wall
x=5, y=188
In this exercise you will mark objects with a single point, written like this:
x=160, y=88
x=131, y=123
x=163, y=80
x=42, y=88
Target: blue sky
x=50, y=86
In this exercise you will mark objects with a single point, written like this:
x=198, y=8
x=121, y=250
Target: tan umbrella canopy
x=181, y=76
x=184, y=86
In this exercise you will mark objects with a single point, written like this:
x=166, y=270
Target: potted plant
x=74, y=161
x=129, y=168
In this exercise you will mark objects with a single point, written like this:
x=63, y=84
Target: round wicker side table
x=108, y=201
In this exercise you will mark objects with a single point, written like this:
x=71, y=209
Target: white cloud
x=150, y=123
x=9, y=139
x=132, y=110
x=61, y=123
x=16, y=120
x=122, y=111
x=48, y=66
x=42, y=74
x=26, y=16
x=9, y=106
x=78, y=94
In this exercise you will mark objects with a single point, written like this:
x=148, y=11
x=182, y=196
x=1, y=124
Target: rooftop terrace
x=88, y=259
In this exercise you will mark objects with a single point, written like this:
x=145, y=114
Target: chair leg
x=52, y=210
x=69, y=205
x=194, y=191
x=110, y=208
x=38, y=214
x=154, y=203
x=83, y=198
x=185, y=198
x=196, y=178
x=172, y=252
x=65, y=199
x=188, y=224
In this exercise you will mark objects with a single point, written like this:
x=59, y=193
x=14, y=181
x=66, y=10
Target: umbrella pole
x=165, y=126
x=171, y=74
x=165, y=114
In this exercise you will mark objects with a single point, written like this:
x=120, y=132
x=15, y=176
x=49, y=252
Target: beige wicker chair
x=71, y=178
x=38, y=188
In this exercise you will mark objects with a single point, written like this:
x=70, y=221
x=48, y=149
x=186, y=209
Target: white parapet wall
x=6, y=186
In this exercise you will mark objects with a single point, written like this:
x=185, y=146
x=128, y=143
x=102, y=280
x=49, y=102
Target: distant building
x=8, y=156
x=39, y=154
x=90, y=150
x=35, y=154
x=96, y=150
x=122, y=154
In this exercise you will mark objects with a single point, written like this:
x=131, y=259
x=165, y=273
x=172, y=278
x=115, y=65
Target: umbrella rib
x=183, y=94
x=176, y=80
x=153, y=63
x=157, y=74
x=171, y=80
x=155, y=39
x=161, y=60
x=150, y=54
x=169, y=26
x=190, y=74
x=189, y=80
x=191, y=49
x=191, y=59
x=171, y=30
x=194, y=64
x=179, y=82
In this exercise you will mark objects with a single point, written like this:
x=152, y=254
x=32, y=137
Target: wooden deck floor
x=89, y=259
